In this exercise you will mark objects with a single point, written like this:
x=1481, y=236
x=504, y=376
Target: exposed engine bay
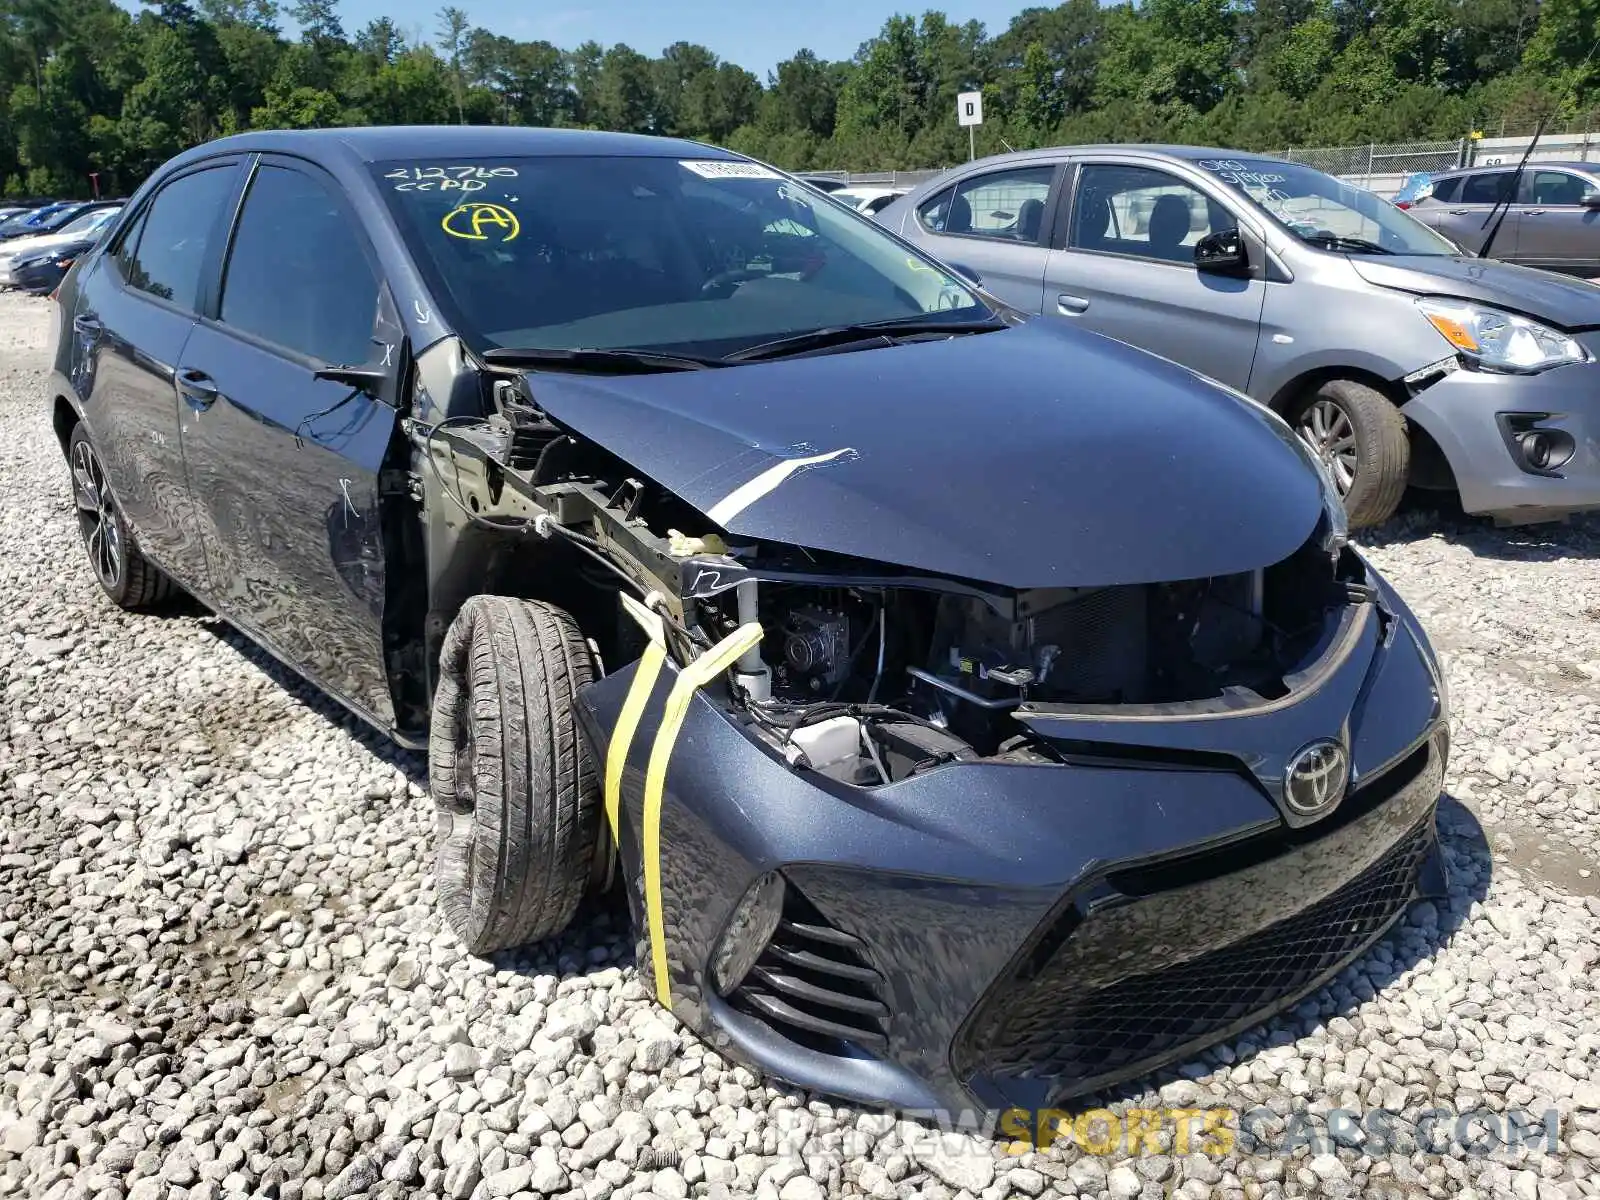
x=869, y=673
x=871, y=684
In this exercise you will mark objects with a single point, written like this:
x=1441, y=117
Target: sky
x=756, y=34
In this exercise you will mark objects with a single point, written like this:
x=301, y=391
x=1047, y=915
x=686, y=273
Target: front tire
x=1361, y=438
x=126, y=576
x=516, y=796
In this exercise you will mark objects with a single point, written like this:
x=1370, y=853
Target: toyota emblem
x=1316, y=778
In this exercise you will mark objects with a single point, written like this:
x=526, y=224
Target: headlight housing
x=1493, y=340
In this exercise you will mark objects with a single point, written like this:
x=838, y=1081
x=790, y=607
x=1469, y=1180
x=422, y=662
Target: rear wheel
x=125, y=575
x=516, y=797
x=1361, y=438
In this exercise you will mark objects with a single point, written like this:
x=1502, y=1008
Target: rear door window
x=1008, y=205
x=1444, y=190
x=297, y=276
x=1491, y=187
x=164, y=253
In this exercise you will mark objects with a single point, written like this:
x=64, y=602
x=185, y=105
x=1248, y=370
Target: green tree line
x=85, y=86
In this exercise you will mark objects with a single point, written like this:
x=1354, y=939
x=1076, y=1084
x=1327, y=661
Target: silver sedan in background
x=1400, y=360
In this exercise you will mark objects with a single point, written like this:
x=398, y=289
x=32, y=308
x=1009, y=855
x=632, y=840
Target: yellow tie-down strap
x=676, y=710
x=644, y=682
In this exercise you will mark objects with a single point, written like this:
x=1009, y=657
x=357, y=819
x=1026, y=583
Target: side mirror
x=1221, y=252
x=1591, y=198
x=374, y=381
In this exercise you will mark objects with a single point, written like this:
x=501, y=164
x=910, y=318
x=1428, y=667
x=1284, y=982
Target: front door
x=1555, y=230
x=136, y=310
x=1126, y=269
x=994, y=226
x=285, y=466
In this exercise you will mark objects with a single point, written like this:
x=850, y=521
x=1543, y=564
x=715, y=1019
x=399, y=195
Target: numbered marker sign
x=969, y=108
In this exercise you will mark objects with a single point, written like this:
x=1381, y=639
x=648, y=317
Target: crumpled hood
x=1039, y=456
x=1561, y=300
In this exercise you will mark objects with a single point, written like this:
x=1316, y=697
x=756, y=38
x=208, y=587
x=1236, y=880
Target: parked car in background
x=1395, y=357
x=86, y=226
x=51, y=218
x=40, y=272
x=27, y=220
x=964, y=737
x=824, y=183
x=1552, y=221
x=869, y=200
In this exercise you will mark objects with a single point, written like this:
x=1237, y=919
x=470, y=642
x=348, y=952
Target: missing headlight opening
x=869, y=673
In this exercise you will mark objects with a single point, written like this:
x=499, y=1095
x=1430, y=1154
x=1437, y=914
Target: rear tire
x=516, y=797
x=126, y=576
x=1360, y=437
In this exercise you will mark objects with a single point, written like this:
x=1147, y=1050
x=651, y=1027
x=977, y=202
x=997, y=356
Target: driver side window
x=1552, y=188
x=1142, y=213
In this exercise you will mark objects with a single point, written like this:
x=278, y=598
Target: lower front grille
x=1064, y=1042
x=814, y=985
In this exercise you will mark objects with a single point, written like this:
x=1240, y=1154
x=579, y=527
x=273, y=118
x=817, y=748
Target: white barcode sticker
x=714, y=169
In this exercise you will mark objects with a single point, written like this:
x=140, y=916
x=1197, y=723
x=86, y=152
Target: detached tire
x=1360, y=437
x=126, y=576
x=517, y=800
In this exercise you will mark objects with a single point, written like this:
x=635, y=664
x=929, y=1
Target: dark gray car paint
x=1043, y=499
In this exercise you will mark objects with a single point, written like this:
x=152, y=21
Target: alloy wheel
x=97, y=516
x=1328, y=430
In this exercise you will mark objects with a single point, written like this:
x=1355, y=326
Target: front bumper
x=999, y=935
x=1468, y=414
x=41, y=278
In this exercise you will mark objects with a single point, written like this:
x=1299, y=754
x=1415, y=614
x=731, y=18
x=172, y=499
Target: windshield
x=701, y=257
x=1324, y=211
x=88, y=223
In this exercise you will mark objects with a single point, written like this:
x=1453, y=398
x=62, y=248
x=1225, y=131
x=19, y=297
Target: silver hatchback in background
x=1397, y=358
x=1551, y=221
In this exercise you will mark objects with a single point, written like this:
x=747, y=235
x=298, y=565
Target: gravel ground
x=221, y=971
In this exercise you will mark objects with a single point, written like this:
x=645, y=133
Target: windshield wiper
x=866, y=331
x=618, y=361
x=1335, y=241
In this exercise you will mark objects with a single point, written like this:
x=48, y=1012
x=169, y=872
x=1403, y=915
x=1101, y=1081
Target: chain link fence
x=893, y=179
x=1378, y=163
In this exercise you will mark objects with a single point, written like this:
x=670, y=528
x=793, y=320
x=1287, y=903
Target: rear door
x=135, y=312
x=996, y=225
x=285, y=466
x=1554, y=228
x=1462, y=219
x=1125, y=268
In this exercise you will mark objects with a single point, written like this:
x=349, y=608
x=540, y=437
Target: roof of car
x=1535, y=164
x=1184, y=152
x=384, y=142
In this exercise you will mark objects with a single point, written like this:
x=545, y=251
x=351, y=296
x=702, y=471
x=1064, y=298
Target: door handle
x=1071, y=306
x=1533, y=212
x=198, y=389
x=1460, y=212
x=88, y=326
